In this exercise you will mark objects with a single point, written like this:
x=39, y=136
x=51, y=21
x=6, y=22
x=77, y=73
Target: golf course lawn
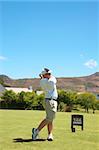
x=16, y=126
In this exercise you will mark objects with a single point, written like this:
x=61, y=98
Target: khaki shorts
x=51, y=109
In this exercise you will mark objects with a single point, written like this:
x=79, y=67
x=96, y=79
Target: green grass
x=16, y=124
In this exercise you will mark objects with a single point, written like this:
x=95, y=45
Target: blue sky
x=63, y=36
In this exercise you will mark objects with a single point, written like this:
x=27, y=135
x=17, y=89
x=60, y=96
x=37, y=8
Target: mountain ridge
x=79, y=84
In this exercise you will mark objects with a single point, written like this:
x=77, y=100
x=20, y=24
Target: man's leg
x=35, y=131
x=42, y=125
x=50, y=127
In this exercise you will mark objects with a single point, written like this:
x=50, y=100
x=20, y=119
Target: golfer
x=48, y=85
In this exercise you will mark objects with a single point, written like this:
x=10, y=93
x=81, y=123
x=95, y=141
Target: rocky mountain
x=87, y=83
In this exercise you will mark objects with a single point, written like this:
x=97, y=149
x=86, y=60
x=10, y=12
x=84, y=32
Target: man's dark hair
x=46, y=69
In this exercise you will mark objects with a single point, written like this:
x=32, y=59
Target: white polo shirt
x=49, y=87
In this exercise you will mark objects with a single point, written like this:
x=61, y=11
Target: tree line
x=67, y=101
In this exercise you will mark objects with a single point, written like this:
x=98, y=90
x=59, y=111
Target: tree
x=9, y=99
x=97, y=104
x=68, y=98
x=30, y=99
x=87, y=100
x=20, y=100
x=39, y=102
x=61, y=106
x=26, y=100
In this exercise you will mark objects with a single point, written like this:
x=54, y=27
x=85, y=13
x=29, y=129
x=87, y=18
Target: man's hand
x=40, y=76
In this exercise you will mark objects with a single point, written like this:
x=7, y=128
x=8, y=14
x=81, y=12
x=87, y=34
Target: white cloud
x=81, y=55
x=91, y=63
x=2, y=58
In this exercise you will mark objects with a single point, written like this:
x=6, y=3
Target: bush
x=22, y=100
x=9, y=99
x=61, y=106
x=67, y=101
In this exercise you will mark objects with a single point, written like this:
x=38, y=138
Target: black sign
x=76, y=120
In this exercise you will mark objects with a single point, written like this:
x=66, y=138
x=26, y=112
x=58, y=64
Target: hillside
x=89, y=83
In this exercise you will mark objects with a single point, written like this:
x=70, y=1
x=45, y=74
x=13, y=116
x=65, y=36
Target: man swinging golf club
x=48, y=85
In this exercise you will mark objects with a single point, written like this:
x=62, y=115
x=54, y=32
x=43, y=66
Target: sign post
x=76, y=120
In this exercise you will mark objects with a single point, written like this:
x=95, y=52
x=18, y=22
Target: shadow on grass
x=20, y=140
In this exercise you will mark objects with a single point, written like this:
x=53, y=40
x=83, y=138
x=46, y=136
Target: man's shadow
x=20, y=140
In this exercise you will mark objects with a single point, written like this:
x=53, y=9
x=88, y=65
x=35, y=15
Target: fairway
x=16, y=126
